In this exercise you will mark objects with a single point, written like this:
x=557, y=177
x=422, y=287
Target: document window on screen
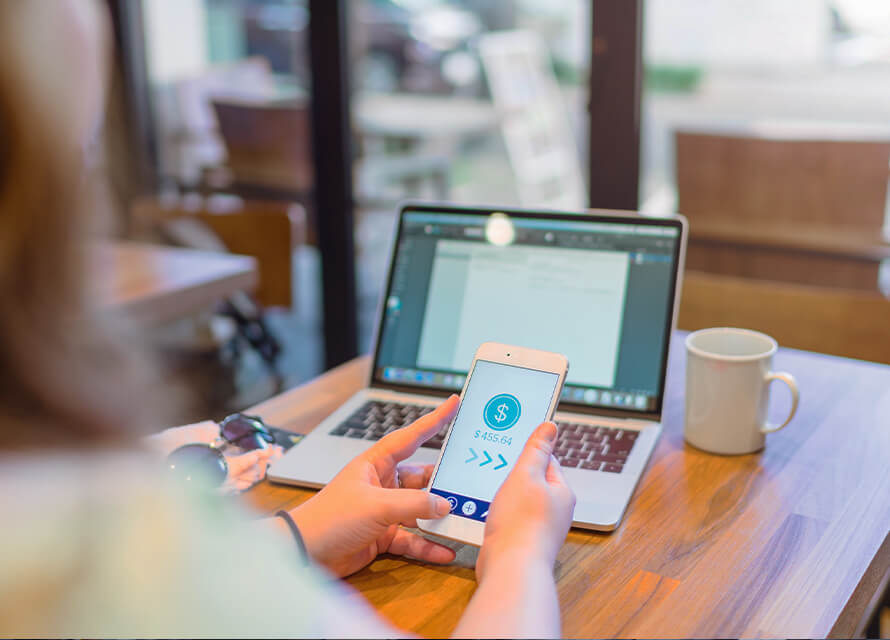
x=565, y=300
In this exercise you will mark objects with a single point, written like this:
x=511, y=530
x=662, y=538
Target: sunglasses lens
x=198, y=464
x=246, y=432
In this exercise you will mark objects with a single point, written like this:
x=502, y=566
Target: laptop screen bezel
x=612, y=217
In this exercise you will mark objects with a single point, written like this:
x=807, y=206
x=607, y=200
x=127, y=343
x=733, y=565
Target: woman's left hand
x=358, y=514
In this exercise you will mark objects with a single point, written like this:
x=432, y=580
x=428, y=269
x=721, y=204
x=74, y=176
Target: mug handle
x=788, y=379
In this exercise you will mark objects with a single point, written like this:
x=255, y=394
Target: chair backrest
x=776, y=177
x=266, y=230
x=534, y=120
x=250, y=78
x=841, y=322
x=267, y=143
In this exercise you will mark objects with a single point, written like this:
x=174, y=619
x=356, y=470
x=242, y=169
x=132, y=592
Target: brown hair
x=63, y=380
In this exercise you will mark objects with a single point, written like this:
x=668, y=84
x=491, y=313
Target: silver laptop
x=600, y=287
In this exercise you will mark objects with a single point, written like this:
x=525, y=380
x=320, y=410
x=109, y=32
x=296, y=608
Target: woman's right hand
x=532, y=512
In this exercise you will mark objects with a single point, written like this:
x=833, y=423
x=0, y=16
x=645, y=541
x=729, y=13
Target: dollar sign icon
x=501, y=412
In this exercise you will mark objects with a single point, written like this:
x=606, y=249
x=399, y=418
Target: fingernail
x=443, y=507
x=549, y=431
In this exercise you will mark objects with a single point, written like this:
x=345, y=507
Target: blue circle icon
x=501, y=412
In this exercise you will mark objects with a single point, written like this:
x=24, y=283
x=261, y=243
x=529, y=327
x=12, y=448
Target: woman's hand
x=532, y=511
x=526, y=526
x=358, y=514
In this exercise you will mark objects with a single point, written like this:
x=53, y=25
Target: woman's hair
x=64, y=381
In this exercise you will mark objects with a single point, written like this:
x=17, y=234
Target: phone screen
x=502, y=406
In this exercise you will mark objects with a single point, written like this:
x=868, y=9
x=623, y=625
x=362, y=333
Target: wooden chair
x=785, y=206
x=187, y=127
x=268, y=145
x=268, y=231
x=854, y=324
x=753, y=178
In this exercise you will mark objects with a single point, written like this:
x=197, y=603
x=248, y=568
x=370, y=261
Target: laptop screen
x=598, y=289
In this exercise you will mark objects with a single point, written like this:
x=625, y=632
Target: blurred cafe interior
x=266, y=147
x=766, y=126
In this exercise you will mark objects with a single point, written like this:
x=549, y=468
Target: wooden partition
x=854, y=324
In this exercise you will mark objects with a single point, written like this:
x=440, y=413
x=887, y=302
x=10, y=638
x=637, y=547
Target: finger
x=415, y=476
x=536, y=454
x=242, y=462
x=403, y=442
x=405, y=543
x=554, y=474
x=406, y=505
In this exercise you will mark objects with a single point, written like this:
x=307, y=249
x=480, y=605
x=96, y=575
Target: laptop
x=601, y=287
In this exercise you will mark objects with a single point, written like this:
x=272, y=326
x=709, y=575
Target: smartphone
x=508, y=393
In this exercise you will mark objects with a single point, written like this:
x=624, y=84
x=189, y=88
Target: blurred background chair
x=786, y=236
x=188, y=131
x=268, y=149
x=829, y=320
x=268, y=154
x=785, y=206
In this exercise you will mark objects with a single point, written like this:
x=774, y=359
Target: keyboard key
x=374, y=420
x=608, y=457
x=570, y=462
x=597, y=447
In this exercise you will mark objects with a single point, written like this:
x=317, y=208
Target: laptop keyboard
x=582, y=446
x=375, y=419
x=593, y=447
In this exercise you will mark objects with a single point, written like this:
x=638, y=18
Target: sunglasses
x=205, y=463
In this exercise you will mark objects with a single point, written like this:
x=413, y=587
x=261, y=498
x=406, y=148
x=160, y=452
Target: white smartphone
x=508, y=393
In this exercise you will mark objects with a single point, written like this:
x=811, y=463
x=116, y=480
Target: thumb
x=406, y=505
x=535, y=456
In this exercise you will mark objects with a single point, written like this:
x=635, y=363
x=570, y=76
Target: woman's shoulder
x=101, y=544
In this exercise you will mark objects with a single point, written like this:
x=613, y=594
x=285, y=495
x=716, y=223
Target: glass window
x=230, y=82
x=774, y=68
x=470, y=101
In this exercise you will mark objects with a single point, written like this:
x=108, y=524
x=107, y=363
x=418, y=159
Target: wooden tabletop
x=789, y=542
x=153, y=284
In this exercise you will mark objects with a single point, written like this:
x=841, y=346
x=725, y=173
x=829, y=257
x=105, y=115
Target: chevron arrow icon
x=502, y=464
x=475, y=455
x=482, y=464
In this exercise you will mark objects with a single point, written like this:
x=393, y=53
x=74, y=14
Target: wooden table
x=153, y=284
x=790, y=542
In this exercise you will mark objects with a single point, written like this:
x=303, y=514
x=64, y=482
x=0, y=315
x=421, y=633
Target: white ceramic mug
x=727, y=390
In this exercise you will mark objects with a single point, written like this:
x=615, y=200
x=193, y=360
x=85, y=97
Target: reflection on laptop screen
x=599, y=292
